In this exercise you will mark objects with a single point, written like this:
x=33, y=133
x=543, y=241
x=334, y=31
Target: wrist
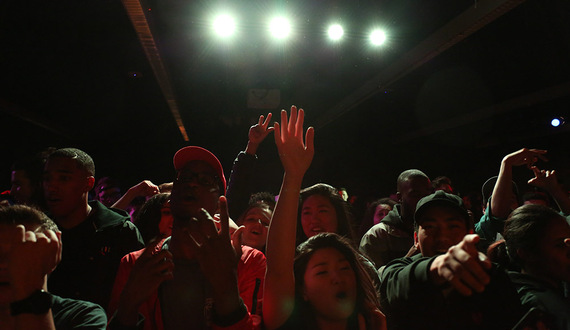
x=251, y=148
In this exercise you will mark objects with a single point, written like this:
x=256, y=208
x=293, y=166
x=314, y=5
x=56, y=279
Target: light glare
x=280, y=27
x=555, y=122
x=335, y=32
x=377, y=37
x=224, y=25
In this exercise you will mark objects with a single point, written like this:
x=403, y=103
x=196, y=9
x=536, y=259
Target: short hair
x=343, y=214
x=261, y=200
x=27, y=216
x=83, y=160
x=408, y=175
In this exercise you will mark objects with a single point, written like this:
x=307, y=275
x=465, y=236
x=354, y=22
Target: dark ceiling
x=458, y=85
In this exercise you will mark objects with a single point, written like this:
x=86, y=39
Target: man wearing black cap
x=450, y=285
x=196, y=279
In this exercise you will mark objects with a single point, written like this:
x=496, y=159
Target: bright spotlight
x=280, y=28
x=335, y=32
x=377, y=37
x=556, y=122
x=224, y=25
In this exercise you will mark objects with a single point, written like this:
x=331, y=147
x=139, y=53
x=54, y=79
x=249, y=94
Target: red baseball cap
x=191, y=153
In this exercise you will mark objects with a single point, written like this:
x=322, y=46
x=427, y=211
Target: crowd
x=201, y=252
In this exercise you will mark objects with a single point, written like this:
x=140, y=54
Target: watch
x=39, y=302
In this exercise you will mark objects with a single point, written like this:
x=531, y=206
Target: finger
x=460, y=287
x=237, y=237
x=19, y=234
x=207, y=224
x=224, y=217
x=299, y=123
x=267, y=120
x=151, y=248
x=292, y=120
x=277, y=134
x=30, y=236
x=310, y=140
x=284, y=124
x=260, y=121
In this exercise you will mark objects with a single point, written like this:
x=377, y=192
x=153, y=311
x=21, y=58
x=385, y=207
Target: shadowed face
x=65, y=186
x=330, y=285
x=196, y=187
x=318, y=215
x=256, y=222
x=439, y=229
x=551, y=260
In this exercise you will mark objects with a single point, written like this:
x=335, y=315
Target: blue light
x=555, y=122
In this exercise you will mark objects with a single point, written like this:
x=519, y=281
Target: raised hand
x=525, y=156
x=32, y=256
x=259, y=131
x=295, y=154
x=152, y=268
x=463, y=267
x=217, y=257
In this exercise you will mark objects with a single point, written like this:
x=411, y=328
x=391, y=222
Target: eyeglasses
x=202, y=179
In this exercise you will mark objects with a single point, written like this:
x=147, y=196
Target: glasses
x=202, y=179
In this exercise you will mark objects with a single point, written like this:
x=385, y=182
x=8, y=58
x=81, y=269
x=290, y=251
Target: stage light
x=335, y=32
x=377, y=37
x=224, y=25
x=558, y=121
x=280, y=28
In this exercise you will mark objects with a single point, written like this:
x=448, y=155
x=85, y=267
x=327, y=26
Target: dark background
x=457, y=86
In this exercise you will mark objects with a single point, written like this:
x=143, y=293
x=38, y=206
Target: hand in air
x=296, y=155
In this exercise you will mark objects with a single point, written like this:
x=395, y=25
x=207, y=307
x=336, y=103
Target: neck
x=74, y=218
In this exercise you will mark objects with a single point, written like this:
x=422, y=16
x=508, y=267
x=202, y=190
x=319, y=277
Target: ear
x=416, y=240
x=399, y=196
x=90, y=183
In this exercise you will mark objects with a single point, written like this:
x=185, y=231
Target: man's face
x=65, y=186
x=196, y=187
x=440, y=228
x=22, y=189
x=411, y=191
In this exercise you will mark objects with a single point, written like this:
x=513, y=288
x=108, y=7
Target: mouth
x=255, y=232
x=317, y=230
x=341, y=295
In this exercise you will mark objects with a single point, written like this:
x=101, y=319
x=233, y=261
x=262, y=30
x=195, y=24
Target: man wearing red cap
x=196, y=279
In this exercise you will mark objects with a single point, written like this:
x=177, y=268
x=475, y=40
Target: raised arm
x=144, y=188
x=296, y=156
x=547, y=180
x=243, y=176
x=502, y=196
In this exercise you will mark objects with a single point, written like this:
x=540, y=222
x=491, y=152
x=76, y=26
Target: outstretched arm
x=296, y=156
x=144, y=188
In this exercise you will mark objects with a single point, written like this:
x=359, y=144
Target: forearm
x=503, y=191
x=251, y=148
x=125, y=200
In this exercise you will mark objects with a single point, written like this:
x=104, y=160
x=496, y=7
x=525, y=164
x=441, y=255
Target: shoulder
x=78, y=314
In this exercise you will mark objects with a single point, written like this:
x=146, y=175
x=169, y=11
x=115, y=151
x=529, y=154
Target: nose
x=335, y=277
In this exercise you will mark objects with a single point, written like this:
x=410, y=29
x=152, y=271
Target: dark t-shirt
x=77, y=314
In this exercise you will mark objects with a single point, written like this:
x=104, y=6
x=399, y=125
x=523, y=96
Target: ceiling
x=458, y=85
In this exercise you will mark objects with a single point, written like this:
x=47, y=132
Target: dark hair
x=368, y=219
x=27, y=216
x=366, y=294
x=408, y=175
x=149, y=216
x=343, y=215
x=83, y=160
x=260, y=199
x=524, y=228
x=105, y=183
